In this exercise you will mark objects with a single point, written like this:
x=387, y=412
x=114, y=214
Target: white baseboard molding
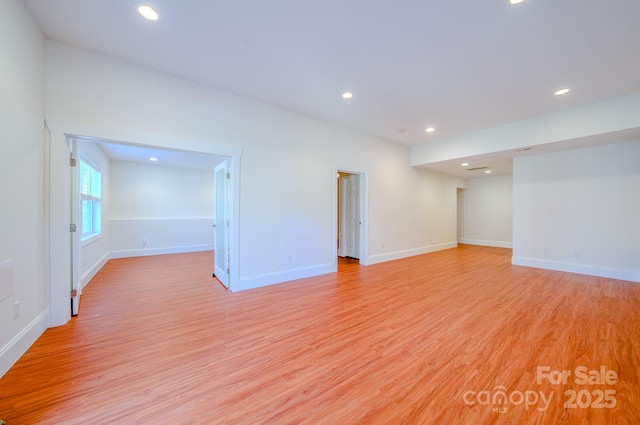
x=396, y=255
x=93, y=270
x=497, y=244
x=126, y=253
x=14, y=349
x=587, y=269
x=257, y=281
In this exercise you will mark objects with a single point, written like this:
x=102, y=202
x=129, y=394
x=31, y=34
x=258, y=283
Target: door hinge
x=72, y=228
x=72, y=161
x=228, y=223
x=228, y=176
x=227, y=271
x=74, y=293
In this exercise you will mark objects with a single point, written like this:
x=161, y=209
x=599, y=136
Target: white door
x=221, y=224
x=350, y=213
x=75, y=228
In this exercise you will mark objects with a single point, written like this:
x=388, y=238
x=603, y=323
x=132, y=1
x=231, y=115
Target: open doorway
x=63, y=251
x=155, y=201
x=462, y=215
x=350, y=213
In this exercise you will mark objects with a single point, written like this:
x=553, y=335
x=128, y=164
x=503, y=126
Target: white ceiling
x=458, y=66
x=501, y=163
x=118, y=151
x=164, y=157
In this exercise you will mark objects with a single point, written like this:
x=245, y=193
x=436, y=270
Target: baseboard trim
x=14, y=349
x=89, y=274
x=586, y=269
x=481, y=242
x=126, y=253
x=257, y=281
x=396, y=255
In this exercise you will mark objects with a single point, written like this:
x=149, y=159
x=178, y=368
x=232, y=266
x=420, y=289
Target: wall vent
x=477, y=168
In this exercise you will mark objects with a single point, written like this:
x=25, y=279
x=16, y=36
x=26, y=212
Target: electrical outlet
x=575, y=253
x=289, y=258
x=547, y=250
x=16, y=310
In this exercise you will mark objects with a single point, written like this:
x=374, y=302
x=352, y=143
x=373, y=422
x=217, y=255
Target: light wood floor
x=431, y=339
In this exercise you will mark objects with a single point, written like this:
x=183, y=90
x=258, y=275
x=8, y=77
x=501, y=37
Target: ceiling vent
x=477, y=168
x=523, y=149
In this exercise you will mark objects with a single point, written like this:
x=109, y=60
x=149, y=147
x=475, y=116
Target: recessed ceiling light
x=464, y=164
x=430, y=129
x=153, y=159
x=487, y=171
x=347, y=95
x=148, y=12
x=515, y=1
x=561, y=92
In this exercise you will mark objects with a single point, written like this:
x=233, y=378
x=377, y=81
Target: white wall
x=22, y=215
x=584, y=200
x=140, y=191
x=94, y=253
x=289, y=162
x=488, y=212
x=158, y=209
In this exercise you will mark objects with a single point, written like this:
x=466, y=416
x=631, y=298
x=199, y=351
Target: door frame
x=364, y=213
x=59, y=199
x=462, y=231
x=76, y=220
x=221, y=222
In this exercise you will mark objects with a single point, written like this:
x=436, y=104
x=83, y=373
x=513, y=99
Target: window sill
x=89, y=239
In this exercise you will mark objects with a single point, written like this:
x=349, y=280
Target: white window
x=91, y=199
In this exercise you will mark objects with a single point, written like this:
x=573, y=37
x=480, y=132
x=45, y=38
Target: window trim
x=89, y=237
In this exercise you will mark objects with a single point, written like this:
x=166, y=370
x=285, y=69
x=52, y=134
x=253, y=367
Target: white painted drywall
x=585, y=200
x=287, y=182
x=22, y=215
x=143, y=191
x=158, y=209
x=488, y=212
x=149, y=236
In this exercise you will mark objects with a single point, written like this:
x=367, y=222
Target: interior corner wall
x=577, y=211
x=489, y=211
x=94, y=252
x=287, y=209
x=158, y=209
x=24, y=312
x=412, y=212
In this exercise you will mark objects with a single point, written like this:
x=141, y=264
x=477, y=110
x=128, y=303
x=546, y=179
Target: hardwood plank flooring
x=441, y=338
